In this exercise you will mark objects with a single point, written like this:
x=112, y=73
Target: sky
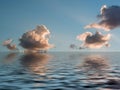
x=65, y=19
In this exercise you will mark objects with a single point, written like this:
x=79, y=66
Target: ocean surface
x=60, y=71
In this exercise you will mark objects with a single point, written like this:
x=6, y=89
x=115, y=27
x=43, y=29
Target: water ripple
x=59, y=71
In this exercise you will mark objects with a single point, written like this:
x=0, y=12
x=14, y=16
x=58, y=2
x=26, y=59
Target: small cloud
x=109, y=18
x=36, y=39
x=96, y=40
x=9, y=45
x=73, y=46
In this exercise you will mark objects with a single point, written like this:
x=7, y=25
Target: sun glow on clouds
x=109, y=18
x=96, y=40
x=9, y=45
x=36, y=39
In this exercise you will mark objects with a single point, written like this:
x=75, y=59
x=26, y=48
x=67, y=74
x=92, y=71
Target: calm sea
x=60, y=71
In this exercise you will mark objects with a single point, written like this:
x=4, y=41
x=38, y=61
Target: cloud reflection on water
x=9, y=57
x=97, y=70
x=35, y=62
x=95, y=67
x=95, y=64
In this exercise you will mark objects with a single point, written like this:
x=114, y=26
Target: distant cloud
x=109, y=18
x=36, y=39
x=73, y=46
x=96, y=40
x=9, y=45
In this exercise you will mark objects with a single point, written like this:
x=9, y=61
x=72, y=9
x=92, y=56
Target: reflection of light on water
x=95, y=68
x=95, y=64
x=10, y=57
x=35, y=62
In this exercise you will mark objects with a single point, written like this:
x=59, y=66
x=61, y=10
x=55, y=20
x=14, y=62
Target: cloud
x=9, y=45
x=96, y=40
x=36, y=39
x=109, y=18
x=73, y=46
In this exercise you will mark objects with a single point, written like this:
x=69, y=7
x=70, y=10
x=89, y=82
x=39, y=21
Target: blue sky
x=64, y=18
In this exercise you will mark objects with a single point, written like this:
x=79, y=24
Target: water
x=60, y=71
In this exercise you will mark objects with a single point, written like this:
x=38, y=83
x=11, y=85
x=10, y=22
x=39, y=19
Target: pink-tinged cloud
x=109, y=18
x=9, y=45
x=36, y=39
x=94, y=41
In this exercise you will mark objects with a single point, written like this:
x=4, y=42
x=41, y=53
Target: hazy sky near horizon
x=64, y=18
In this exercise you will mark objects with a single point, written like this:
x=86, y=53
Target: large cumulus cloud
x=109, y=18
x=96, y=40
x=36, y=39
x=9, y=45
